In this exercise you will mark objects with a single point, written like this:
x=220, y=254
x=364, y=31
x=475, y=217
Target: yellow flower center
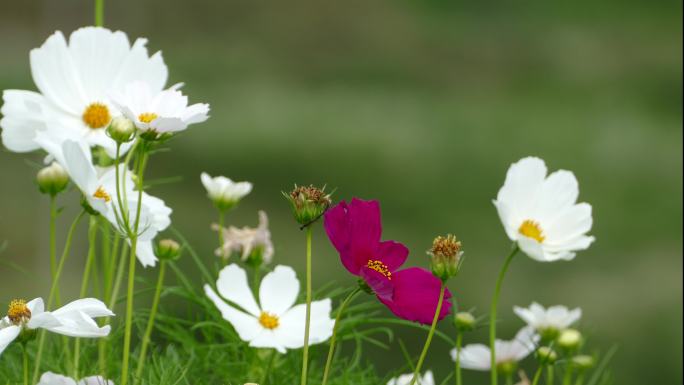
x=100, y=193
x=96, y=115
x=18, y=312
x=268, y=320
x=147, y=117
x=380, y=267
x=531, y=229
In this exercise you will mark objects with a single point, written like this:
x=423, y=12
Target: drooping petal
x=416, y=294
x=247, y=326
x=49, y=378
x=381, y=285
x=22, y=116
x=278, y=291
x=232, y=285
x=474, y=357
x=7, y=335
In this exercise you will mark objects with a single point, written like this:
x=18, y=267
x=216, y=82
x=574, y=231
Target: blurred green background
x=421, y=105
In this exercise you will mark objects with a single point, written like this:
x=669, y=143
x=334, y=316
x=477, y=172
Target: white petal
x=245, y=325
x=90, y=306
x=22, y=113
x=523, y=180
x=95, y=380
x=474, y=357
x=49, y=378
x=7, y=335
x=278, y=291
x=291, y=329
x=145, y=253
x=232, y=285
x=533, y=249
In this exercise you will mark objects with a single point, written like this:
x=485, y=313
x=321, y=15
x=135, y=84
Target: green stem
x=457, y=365
x=150, y=322
x=26, y=359
x=537, y=375
x=271, y=359
x=580, y=378
x=92, y=240
x=416, y=372
x=99, y=13
x=305, y=361
x=549, y=375
x=221, y=221
x=53, y=289
x=331, y=349
x=509, y=378
x=567, y=376
x=492, y=314
x=53, y=243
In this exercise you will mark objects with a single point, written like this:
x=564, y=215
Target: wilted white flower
x=405, y=379
x=74, y=319
x=275, y=322
x=223, y=191
x=164, y=111
x=248, y=242
x=541, y=213
x=478, y=356
x=551, y=320
x=50, y=378
x=75, y=80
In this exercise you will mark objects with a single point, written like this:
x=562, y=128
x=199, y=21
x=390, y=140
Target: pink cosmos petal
x=392, y=254
x=336, y=223
x=364, y=229
x=415, y=297
x=381, y=285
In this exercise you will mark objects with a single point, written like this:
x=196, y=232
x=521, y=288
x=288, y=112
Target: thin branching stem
x=150, y=321
x=331, y=349
x=492, y=314
x=423, y=354
x=92, y=243
x=307, y=325
x=457, y=361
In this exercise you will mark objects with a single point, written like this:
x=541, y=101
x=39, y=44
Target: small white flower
x=247, y=240
x=75, y=80
x=554, y=318
x=74, y=319
x=164, y=111
x=223, y=191
x=405, y=379
x=275, y=322
x=541, y=213
x=50, y=378
x=478, y=356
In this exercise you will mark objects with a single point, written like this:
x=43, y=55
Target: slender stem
x=26, y=359
x=53, y=243
x=305, y=361
x=537, y=375
x=331, y=349
x=221, y=221
x=492, y=314
x=150, y=321
x=549, y=375
x=99, y=13
x=92, y=242
x=271, y=359
x=438, y=310
x=567, y=376
x=509, y=378
x=580, y=378
x=457, y=365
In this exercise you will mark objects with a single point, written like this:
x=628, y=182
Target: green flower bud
x=548, y=334
x=583, y=362
x=121, y=129
x=446, y=254
x=168, y=249
x=52, y=179
x=308, y=203
x=507, y=368
x=464, y=321
x=546, y=355
x=570, y=339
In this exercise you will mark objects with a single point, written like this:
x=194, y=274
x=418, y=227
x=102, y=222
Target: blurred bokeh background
x=421, y=105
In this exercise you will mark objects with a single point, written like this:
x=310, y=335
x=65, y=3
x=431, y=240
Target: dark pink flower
x=355, y=230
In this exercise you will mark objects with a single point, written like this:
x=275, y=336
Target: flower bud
x=548, y=334
x=570, y=339
x=546, y=355
x=308, y=203
x=168, y=249
x=446, y=254
x=121, y=129
x=507, y=368
x=52, y=179
x=583, y=362
x=464, y=321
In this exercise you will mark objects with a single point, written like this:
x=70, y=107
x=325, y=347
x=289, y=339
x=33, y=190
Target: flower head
x=168, y=249
x=224, y=192
x=252, y=244
x=508, y=353
x=405, y=379
x=308, y=203
x=74, y=79
x=446, y=256
x=355, y=229
x=74, y=319
x=275, y=322
x=541, y=212
x=49, y=378
x=548, y=322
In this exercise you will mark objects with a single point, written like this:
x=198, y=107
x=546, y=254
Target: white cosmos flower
x=478, y=356
x=405, y=379
x=74, y=319
x=74, y=81
x=247, y=241
x=541, y=212
x=99, y=188
x=554, y=318
x=223, y=191
x=164, y=111
x=49, y=378
x=275, y=322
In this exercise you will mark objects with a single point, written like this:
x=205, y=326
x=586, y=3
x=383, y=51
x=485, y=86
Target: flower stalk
x=492, y=314
x=457, y=361
x=307, y=325
x=92, y=240
x=150, y=322
x=331, y=350
x=438, y=310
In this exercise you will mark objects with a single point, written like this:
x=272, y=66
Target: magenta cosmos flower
x=354, y=230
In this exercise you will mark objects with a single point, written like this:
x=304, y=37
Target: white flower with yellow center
x=541, y=212
x=508, y=353
x=158, y=111
x=75, y=80
x=275, y=322
x=74, y=319
x=555, y=318
x=247, y=242
x=405, y=379
x=50, y=378
x=223, y=191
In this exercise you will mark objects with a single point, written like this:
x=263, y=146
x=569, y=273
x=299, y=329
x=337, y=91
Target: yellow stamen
x=268, y=320
x=18, y=312
x=96, y=115
x=380, y=267
x=531, y=229
x=147, y=117
x=100, y=193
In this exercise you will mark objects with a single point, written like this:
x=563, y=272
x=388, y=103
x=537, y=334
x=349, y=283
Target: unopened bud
x=168, y=249
x=308, y=203
x=546, y=355
x=52, y=179
x=570, y=339
x=446, y=254
x=507, y=368
x=583, y=362
x=464, y=321
x=121, y=129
